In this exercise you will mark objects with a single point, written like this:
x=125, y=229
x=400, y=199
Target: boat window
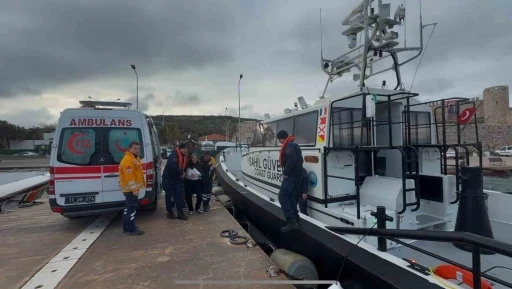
x=305, y=128
x=346, y=127
x=285, y=124
x=257, y=140
x=420, y=127
x=270, y=134
x=357, y=123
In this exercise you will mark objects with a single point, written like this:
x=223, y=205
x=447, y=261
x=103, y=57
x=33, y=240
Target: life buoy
x=448, y=271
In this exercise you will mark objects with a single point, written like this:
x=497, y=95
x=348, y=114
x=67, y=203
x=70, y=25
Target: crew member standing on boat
x=290, y=160
x=172, y=179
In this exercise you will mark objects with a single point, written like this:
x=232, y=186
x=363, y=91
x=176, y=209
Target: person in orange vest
x=131, y=178
x=172, y=179
x=291, y=161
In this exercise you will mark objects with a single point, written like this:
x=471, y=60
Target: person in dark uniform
x=172, y=179
x=209, y=166
x=303, y=193
x=290, y=159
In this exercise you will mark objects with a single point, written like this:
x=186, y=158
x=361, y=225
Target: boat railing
x=409, y=153
x=441, y=140
x=478, y=244
x=357, y=150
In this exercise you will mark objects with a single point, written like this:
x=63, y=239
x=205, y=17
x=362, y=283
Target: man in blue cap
x=290, y=159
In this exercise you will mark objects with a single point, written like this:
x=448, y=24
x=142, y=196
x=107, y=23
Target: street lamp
x=239, y=126
x=133, y=67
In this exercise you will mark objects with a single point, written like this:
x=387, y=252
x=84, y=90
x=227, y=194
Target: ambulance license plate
x=79, y=200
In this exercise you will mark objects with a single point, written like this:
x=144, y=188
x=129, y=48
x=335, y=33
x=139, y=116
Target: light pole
x=133, y=67
x=226, y=130
x=239, y=126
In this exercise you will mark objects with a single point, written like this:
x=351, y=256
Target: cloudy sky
x=189, y=53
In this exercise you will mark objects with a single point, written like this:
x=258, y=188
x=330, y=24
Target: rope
x=234, y=238
x=346, y=256
x=421, y=58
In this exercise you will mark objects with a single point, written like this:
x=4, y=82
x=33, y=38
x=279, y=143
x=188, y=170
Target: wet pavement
x=170, y=250
x=31, y=237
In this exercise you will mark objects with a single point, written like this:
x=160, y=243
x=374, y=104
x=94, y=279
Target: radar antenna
x=378, y=43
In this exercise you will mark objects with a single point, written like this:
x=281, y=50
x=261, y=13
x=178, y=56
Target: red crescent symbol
x=465, y=116
x=71, y=142
x=119, y=147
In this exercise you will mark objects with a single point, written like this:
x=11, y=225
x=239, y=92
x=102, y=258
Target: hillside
x=178, y=127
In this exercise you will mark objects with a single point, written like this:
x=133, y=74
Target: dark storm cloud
x=301, y=43
x=467, y=30
x=51, y=43
x=434, y=86
x=246, y=111
x=30, y=117
x=145, y=101
x=183, y=99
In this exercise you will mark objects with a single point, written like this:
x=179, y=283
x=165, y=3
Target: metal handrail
x=476, y=241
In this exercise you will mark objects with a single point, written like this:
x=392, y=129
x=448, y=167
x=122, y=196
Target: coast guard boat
x=383, y=210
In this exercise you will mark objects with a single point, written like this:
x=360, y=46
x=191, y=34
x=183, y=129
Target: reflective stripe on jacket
x=213, y=163
x=131, y=173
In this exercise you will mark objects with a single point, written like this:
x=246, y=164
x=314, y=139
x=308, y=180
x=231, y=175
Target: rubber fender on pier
x=225, y=200
x=217, y=191
x=295, y=264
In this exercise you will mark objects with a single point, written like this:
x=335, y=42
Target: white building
x=31, y=144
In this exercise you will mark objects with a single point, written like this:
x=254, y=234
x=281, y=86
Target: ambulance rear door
x=123, y=127
x=75, y=165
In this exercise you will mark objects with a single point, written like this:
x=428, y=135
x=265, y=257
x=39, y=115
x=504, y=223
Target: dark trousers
x=288, y=198
x=172, y=194
x=303, y=205
x=207, y=192
x=129, y=212
x=194, y=187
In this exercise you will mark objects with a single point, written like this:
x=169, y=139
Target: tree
x=169, y=134
x=8, y=131
x=47, y=128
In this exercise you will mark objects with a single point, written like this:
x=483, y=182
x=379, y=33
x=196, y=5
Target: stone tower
x=496, y=104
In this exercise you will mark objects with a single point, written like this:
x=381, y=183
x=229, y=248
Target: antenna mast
x=378, y=43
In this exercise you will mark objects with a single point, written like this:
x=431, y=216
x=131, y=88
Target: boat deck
x=496, y=265
x=8, y=163
x=11, y=177
x=170, y=250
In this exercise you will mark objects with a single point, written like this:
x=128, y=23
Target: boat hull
x=324, y=248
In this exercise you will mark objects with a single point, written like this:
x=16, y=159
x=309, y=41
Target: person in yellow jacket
x=131, y=179
x=208, y=166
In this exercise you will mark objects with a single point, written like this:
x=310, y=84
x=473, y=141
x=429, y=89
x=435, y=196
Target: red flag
x=466, y=115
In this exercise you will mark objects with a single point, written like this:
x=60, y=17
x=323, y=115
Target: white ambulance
x=89, y=144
